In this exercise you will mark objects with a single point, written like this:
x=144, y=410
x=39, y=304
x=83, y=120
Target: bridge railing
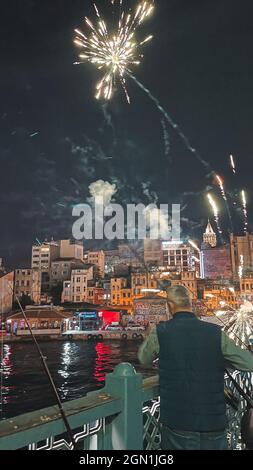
x=124, y=415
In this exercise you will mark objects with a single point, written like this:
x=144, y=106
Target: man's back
x=192, y=356
x=191, y=374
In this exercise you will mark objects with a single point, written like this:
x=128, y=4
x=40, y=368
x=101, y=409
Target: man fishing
x=192, y=358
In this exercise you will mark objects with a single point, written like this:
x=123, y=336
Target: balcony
x=124, y=415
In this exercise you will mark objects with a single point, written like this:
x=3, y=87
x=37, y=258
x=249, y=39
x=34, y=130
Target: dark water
x=77, y=368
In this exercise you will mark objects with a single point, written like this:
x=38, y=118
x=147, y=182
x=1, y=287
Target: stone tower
x=209, y=237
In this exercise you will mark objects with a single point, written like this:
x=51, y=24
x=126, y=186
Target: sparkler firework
x=114, y=53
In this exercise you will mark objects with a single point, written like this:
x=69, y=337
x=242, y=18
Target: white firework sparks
x=239, y=324
x=114, y=53
x=241, y=267
x=245, y=211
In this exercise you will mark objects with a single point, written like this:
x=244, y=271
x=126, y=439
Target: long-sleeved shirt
x=235, y=356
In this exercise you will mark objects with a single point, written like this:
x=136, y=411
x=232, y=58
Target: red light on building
x=109, y=317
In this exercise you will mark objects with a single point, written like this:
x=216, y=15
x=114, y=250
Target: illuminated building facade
x=178, y=257
x=217, y=263
x=241, y=254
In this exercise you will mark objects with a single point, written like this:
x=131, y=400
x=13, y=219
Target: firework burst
x=113, y=53
x=239, y=324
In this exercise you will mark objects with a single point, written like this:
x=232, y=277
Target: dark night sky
x=199, y=65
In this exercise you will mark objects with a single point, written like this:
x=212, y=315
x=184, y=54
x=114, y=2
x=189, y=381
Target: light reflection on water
x=77, y=369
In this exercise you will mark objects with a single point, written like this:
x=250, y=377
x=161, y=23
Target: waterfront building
x=220, y=294
x=44, y=321
x=131, y=254
x=152, y=252
x=61, y=269
x=71, y=249
x=241, y=254
x=97, y=258
x=117, y=285
x=246, y=287
x=216, y=263
x=76, y=289
x=188, y=280
x=141, y=282
x=27, y=282
x=2, y=268
x=6, y=293
x=42, y=256
x=121, y=293
x=95, y=294
x=112, y=260
x=178, y=257
x=66, y=296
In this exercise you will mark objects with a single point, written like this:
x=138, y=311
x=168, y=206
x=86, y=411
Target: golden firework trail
x=215, y=212
x=221, y=185
x=115, y=52
x=223, y=193
x=245, y=211
x=232, y=162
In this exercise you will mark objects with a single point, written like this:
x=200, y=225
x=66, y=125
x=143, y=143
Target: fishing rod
x=48, y=374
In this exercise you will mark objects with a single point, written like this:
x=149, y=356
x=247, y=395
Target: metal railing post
x=127, y=426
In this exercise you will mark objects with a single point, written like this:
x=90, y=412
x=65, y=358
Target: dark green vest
x=191, y=375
